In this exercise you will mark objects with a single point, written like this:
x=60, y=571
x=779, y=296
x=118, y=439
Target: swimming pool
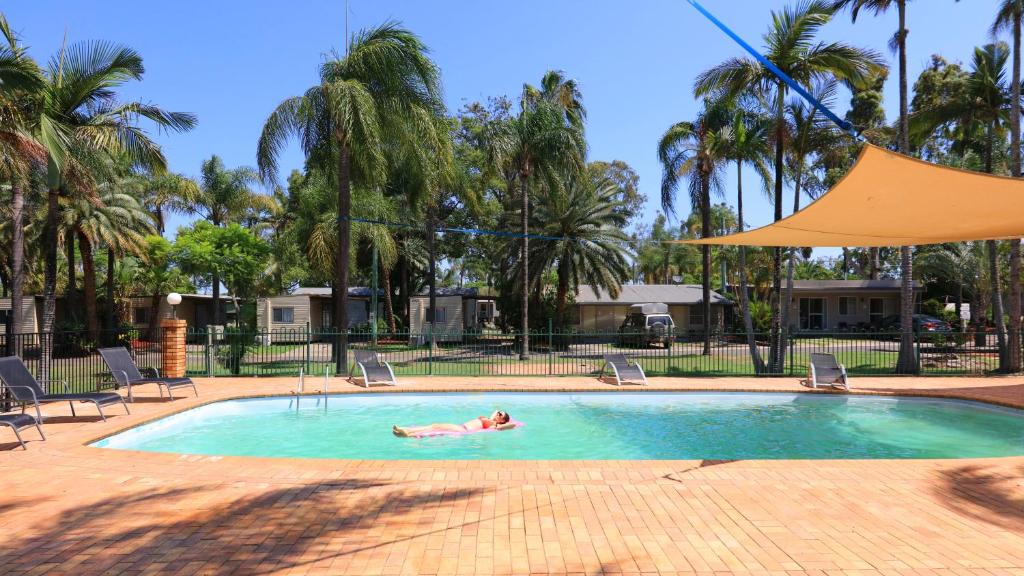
x=590, y=426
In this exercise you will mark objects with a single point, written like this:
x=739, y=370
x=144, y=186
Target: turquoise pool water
x=615, y=425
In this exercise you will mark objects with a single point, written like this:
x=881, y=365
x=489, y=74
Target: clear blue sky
x=232, y=61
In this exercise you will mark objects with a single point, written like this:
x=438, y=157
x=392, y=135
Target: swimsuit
x=485, y=422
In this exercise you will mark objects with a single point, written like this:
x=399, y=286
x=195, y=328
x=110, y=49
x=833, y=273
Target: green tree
x=1009, y=17
x=980, y=120
x=592, y=248
x=78, y=117
x=232, y=253
x=225, y=195
x=384, y=89
x=792, y=47
x=626, y=181
x=695, y=151
x=155, y=274
x=540, y=145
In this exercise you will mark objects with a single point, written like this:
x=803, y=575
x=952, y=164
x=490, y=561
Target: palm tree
x=906, y=362
x=225, y=195
x=166, y=191
x=696, y=150
x=980, y=120
x=746, y=141
x=79, y=114
x=384, y=89
x=20, y=80
x=793, y=49
x=1009, y=17
x=538, y=145
x=113, y=218
x=591, y=247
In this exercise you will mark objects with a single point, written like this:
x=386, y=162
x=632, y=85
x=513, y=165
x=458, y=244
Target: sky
x=232, y=61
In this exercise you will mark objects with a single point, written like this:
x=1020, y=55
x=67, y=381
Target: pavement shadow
x=987, y=493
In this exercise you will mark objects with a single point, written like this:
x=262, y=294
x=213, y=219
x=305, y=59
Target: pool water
x=589, y=426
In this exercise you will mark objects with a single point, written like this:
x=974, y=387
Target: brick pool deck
x=66, y=508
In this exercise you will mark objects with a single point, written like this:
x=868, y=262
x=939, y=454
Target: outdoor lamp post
x=174, y=299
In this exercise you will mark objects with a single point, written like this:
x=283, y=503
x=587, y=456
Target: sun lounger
x=26, y=389
x=375, y=371
x=826, y=371
x=624, y=370
x=126, y=373
x=18, y=422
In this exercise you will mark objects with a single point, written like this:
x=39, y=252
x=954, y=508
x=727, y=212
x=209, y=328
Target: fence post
x=917, y=351
x=792, y=366
x=551, y=348
x=208, y=352
x=5, y=397
x=309, y=348
x=430, y=349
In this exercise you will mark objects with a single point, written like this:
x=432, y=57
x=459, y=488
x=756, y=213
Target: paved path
x=66, y=508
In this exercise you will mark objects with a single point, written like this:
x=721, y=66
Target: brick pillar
x=173, y=347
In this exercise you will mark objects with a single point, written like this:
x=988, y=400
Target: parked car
x=647, y=324
x=924, y=325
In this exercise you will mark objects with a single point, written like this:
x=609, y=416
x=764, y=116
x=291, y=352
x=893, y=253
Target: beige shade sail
x=888, y=199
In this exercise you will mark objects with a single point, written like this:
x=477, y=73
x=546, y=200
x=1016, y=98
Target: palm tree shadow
x=991, y=495
x=672, y=476
x=267, y=532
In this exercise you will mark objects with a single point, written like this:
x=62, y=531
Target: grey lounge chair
x=375, y=370
x=26, y=389
x=824, y=369
x=126, y=373
x=18, y=422
x=624, y=370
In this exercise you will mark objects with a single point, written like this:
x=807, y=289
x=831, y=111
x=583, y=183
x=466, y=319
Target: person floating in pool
x=499, y=420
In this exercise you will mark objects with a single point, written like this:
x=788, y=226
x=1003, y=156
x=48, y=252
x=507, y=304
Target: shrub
x=933, y=307
x=235, y=344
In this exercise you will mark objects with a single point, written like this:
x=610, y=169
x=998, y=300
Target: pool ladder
x=301, y=385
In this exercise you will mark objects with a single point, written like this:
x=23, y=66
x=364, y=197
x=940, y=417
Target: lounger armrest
x=813, y=376
x=35, y=399
x=390, y=371
x=123, y=380
x=67, y=388
x=641, y=369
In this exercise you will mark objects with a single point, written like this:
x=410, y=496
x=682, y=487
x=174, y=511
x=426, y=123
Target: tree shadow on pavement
x=991, y=494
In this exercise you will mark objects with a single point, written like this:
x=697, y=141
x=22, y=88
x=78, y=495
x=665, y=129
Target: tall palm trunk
x=874, y=263
x=109, y=322
x=561, y=295
x=906, y=362
x=389, y=308
x=49, y=274
x=748, y=321
x=705, y=232
x=993, y=270
x=431, y=276
x=341, y=256
x=71, y=306
x=154, y=318
x=17, y=258
x=92, y=320
x=776, y=335
x=787, y=297
x=524, y=186
x=1013, y=342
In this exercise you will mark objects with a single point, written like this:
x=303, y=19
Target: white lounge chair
x=624, y=370
x=825, y=370
x=375, y=370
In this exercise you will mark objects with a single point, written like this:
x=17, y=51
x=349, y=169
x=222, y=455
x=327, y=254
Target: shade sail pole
x=844, y=125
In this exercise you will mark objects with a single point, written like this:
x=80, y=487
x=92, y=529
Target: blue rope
x=460, y=230
x=843, y=124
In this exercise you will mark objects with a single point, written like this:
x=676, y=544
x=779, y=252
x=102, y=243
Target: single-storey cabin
x=596, y=311
x=283, y=317
x=827, y=305
x=458, y=310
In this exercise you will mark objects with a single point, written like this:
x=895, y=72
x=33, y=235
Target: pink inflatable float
x=429, y=433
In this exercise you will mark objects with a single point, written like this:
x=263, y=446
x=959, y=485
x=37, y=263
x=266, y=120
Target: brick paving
x=69, y=509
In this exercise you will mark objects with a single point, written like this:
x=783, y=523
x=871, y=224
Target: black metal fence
x=464, y=353
x=551, y=353
x=74, y=358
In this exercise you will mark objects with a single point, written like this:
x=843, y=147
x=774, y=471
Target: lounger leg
x=72, y=404
x=196, y=392
x=40, y=428
x=125, y=404
x=100, y=410
x=18, y=436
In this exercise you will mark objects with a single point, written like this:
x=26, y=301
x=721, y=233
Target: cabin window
x=284, y=315
x=812, y=313
x=140, y=315
x=876, y=311
x=697, y=315
x=847, y=305
x=440, y=315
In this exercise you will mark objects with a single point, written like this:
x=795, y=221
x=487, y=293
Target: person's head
x=501, y=417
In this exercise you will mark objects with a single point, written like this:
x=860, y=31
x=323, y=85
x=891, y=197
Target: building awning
x=888, y=199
